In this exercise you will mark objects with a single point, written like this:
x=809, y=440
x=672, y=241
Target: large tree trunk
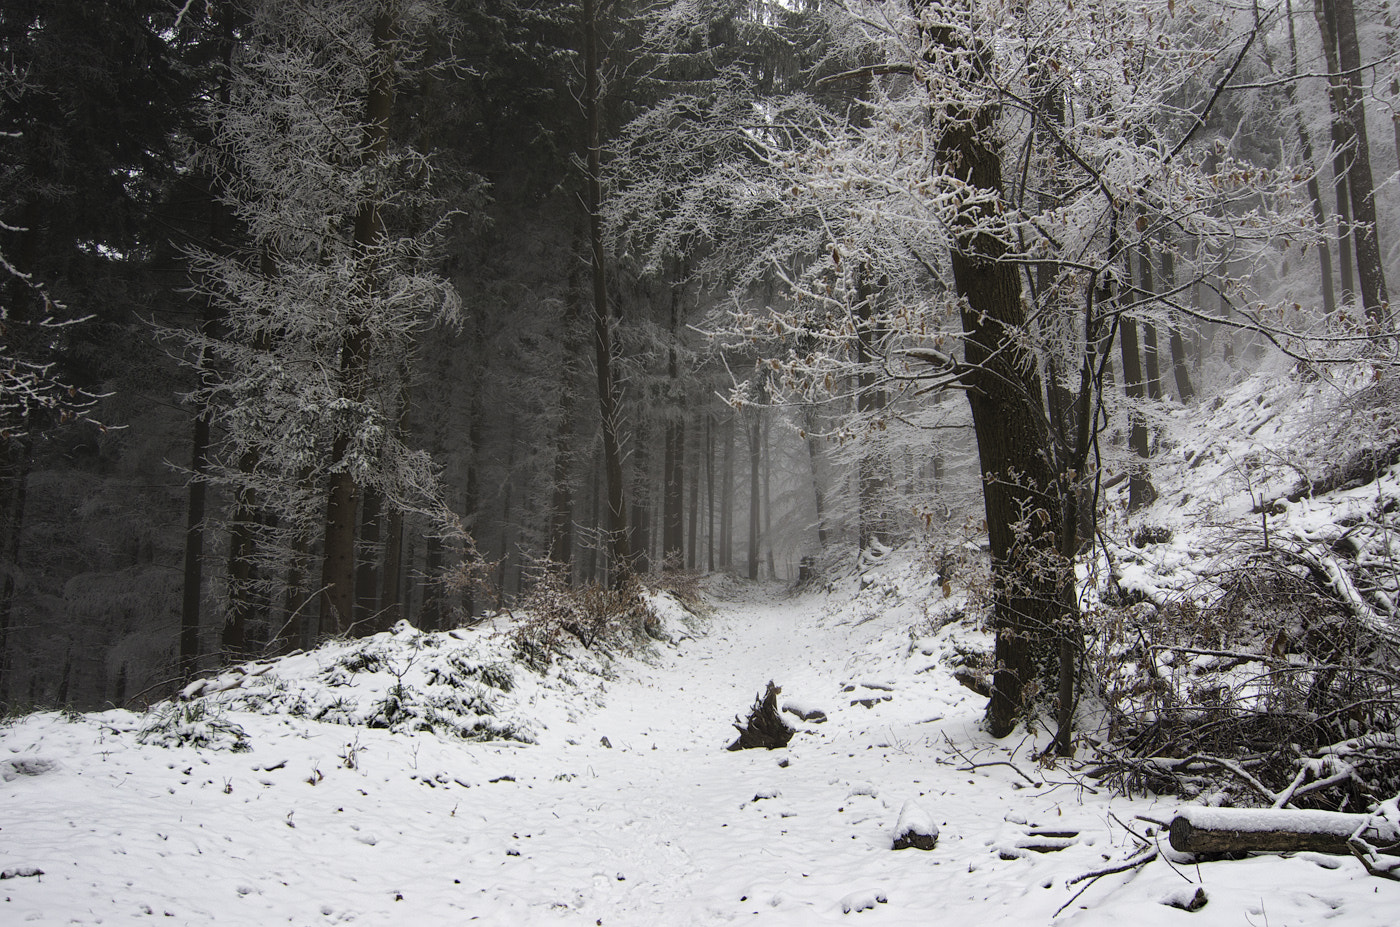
x=1033, y=590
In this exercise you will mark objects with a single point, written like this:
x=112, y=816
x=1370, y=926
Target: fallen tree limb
x=1241, y=830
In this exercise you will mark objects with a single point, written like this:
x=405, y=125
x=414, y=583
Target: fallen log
x=1269, y=830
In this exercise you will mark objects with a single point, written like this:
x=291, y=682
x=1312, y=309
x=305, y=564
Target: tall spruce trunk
x=622, y=561
x=342, y=502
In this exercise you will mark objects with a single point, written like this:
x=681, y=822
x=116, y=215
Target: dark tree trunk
x=692, y=540
x=710, y=492
x=602, y=314
x=18, y=462
x=640, y=540
x=813, y=457
x=870, y=401
x=391, y=592
x=194, y=539
x=367, y=568
x=1324, y=249
x=1033, y=589
x=1325, y=13
x=768, y=497
x=755, y=456
x=673, y=497
x=1153, y=382
x=1140, y=492
x=1370, y=271
x=1180, y=371
x=726, y=507
x=338, y=563
x=241, y=544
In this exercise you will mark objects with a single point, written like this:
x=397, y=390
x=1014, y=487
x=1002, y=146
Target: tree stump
x=766, y=727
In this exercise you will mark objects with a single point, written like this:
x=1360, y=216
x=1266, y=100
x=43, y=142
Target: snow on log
x=1239, y=830
x=915, y=828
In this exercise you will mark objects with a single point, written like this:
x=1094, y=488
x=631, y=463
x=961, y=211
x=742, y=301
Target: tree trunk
x=640, y=540
x=1033, y=588
x=710, y=492
x=1324, y=249
x=1269, y=830
x=241, y=543
x=367, y=568
x=813, y=457
x=391, y=592
x=870, y=401
x=726, y=507
x=1153, y=382
x=18, y=462
x=338, y=563
x=194, y=539
x=1140, y=492
x=1325, y=13
x=693, y=528
x=767, y=496
x=1370, y=271
x=755, y=455
x=602, y=314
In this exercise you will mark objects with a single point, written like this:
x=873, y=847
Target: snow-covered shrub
x=594, y=616
x=193, y=724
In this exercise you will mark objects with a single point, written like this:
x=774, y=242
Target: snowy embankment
x=624, y=807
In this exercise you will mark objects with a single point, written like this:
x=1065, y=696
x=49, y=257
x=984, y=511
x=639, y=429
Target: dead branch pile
x=1276, y=694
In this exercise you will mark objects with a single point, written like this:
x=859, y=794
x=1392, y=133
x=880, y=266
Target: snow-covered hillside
x=434, y=779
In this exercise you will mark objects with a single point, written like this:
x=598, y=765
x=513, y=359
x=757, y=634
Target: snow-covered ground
x=627, y=809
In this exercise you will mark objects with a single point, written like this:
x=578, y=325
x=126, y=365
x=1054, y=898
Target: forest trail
x=660, y=825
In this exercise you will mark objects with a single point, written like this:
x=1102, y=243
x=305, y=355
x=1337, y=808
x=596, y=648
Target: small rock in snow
x=862, y=901
x=1187, y=898
x=915, y=828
